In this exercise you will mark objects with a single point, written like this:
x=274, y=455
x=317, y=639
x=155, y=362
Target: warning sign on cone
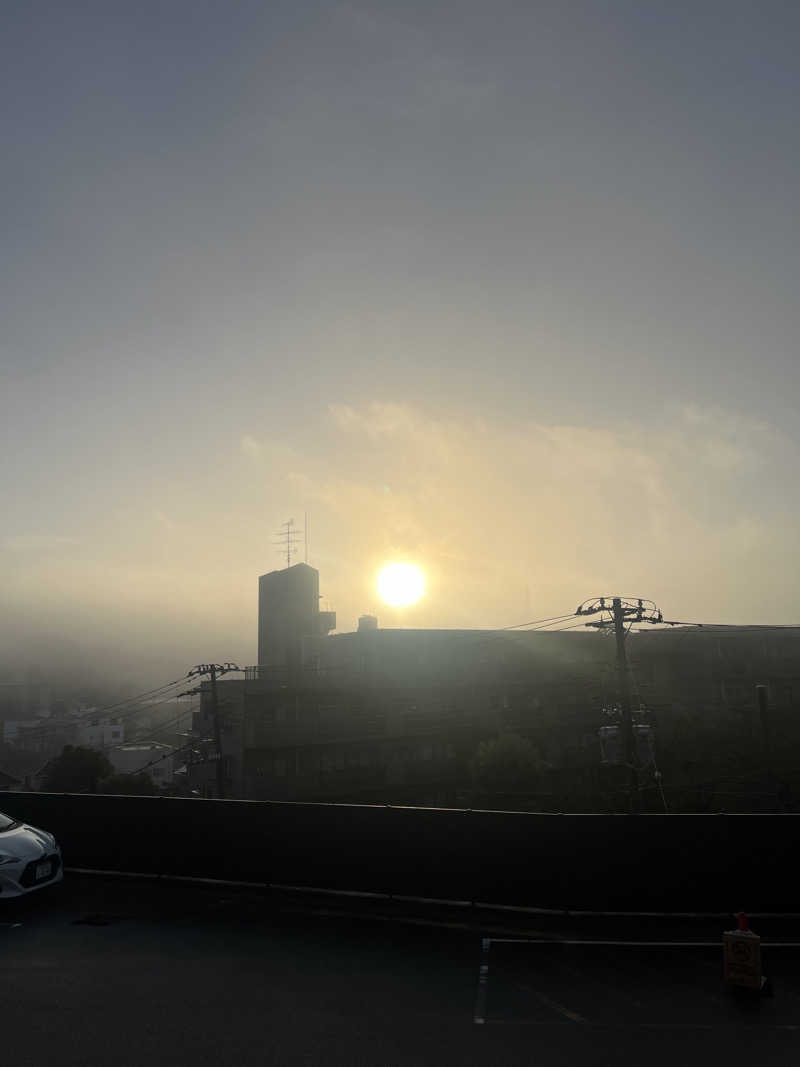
x=742, y=956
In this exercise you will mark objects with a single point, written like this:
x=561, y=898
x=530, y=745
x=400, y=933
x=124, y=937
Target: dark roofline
x=283, y=570
x=440, y=632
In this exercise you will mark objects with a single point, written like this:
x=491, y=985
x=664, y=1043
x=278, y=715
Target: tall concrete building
x=398, y=716
x=288, y=614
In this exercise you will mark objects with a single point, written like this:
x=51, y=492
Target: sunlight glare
x=401, y=584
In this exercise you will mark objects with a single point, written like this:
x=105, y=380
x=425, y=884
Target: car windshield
x=6, y=822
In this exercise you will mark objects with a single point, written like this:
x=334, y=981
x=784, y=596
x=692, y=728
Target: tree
x=132, y=785
x=19, y=762
x=76, y=770
x=507, y=763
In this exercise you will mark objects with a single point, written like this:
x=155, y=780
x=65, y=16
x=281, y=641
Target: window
x=780, y=693
x=310, y=717
x=737, y=692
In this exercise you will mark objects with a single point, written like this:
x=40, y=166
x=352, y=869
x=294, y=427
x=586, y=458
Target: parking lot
x=656, y=986
x=115, y=971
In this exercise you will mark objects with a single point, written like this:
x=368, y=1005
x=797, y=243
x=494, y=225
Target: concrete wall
x=649, y=862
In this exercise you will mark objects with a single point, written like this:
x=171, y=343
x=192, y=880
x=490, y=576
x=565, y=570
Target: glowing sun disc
x=401, y=584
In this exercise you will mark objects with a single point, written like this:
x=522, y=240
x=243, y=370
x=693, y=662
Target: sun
x=401, y=584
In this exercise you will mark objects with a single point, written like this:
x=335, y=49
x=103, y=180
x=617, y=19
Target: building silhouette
x=288, y=614
x=397, y=716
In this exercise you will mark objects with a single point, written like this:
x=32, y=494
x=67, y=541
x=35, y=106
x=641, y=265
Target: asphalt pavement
x=122, y=972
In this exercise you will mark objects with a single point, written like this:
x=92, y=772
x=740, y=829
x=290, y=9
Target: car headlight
x=5, y=858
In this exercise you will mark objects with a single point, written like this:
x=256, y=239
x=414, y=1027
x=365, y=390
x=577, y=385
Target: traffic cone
x=741, y=954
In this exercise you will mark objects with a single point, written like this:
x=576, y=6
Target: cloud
x=675, y=509
x=36, y=542
x=417, y=77
x=165, y=521
x=512, y=519
x=250, y=446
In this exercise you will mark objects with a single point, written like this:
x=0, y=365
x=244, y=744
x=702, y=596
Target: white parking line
x=482, y=993
x=553, y=1004
x=479, y=1017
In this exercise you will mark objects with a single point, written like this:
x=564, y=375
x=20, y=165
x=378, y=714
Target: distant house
x=150, y=757
x=101, y=733
x=46, y=737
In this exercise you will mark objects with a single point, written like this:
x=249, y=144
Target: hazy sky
x=509, y=289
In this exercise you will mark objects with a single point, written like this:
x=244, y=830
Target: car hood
x=27, y=842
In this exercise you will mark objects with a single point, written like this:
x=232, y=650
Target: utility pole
x=213, y=670
x=217, y=733
x=620, y=611
x=628, y=734
x=762, y=699
x=763, y=714
x=191, y=752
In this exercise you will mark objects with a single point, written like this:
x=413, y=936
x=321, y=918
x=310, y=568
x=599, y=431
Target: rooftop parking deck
x=124, y=971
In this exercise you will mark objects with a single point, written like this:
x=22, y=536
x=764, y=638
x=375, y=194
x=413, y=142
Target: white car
x=29, y=858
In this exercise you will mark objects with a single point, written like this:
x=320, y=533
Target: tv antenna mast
x=288, y=538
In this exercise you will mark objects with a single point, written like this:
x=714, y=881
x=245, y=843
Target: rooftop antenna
x=288, y=537
x=305, y=531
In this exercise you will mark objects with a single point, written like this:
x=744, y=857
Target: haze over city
x=399, y=458
x=507, y=291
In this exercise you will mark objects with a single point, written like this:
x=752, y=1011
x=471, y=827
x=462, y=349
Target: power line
x=133, y=712
x=561, y=629
x=734, y=628
x=160, y=759
x=44, y=727
x=538, y=622
x=154, y=733
x=91, y=712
